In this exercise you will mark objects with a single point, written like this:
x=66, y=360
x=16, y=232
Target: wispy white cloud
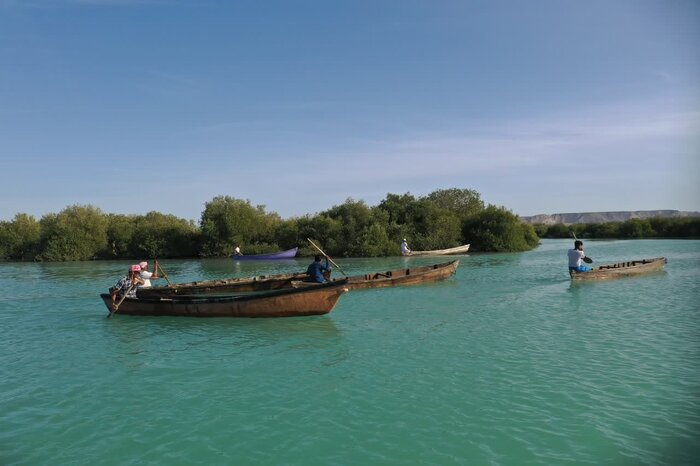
x=536, y=142
x=613, y=134
x=665, y=76
x=629, y=144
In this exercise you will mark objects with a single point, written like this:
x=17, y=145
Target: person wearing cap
x=147, y=276
x=577, y=257
x=405, y=251
x=127, y=284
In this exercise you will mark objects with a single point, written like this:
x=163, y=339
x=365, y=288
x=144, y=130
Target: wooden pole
x=116, y=307
x=329, y=259
x=165, y=275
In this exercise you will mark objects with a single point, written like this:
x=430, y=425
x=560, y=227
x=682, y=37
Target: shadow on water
x=138, y=343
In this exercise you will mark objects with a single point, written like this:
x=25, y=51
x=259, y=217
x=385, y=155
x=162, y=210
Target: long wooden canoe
x=406, y=276
x=276, y=303
x=399, y=277
x=621, y=269
x=441, y=252
x=288, y=254
x=242, y=285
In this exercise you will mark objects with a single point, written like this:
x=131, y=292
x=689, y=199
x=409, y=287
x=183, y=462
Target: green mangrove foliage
x=19, y=239
x=497, y=229
x=442, y=219
x=76, y=233
x=658, y=227
x=159, y=235
x=228, y=222
x=86, y=233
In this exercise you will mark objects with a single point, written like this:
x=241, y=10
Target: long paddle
x=111, y=313
x=165, y=275
x=329, y=259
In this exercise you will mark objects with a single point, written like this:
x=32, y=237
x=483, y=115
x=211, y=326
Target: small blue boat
x=288, y=254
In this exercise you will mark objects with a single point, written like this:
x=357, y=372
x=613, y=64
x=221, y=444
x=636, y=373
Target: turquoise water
x=508, y=363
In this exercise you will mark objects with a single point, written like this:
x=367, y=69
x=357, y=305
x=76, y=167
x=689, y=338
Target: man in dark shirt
x=316, y=269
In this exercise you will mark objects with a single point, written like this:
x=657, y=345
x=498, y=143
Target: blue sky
x=542, y=106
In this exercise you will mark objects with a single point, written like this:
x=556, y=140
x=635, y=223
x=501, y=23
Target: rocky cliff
x=603, y=217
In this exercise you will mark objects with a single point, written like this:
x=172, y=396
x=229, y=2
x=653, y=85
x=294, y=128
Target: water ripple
x=505, y=364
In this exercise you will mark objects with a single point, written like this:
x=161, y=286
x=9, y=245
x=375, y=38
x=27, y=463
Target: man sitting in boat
x=405, y=251
x=316, y=270
x=127, y=285
x=576, y=258
x=237, y=251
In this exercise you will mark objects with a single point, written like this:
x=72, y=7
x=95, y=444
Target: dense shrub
x=498, y=229
x=19, y=239
x=659, y=227
x=228, y=222
x=442, y=219
x=76, y=233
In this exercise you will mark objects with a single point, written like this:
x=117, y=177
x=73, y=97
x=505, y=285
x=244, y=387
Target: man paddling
x=576, y=258
x=316, y=269
x=147, y=276
x=126, y=286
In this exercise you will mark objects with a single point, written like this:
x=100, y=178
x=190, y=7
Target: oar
x=165, y=275
x=111, y=313
x=329, y=259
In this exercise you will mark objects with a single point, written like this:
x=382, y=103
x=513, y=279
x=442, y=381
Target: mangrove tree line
x=658, y=227
x=442, y=219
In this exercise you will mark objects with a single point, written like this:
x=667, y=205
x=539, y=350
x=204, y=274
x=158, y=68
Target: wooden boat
x=276, y=303
x=227, y=285
x=441, y=252
x=288, y=254
x=406, y=276
x=621, y=269
x=399, y=277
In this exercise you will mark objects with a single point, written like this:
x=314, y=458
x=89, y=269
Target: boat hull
x=238, y=285
x=404, y=277
x=278, y=303
x=441, y=252
x=621, y=269
x=399, y=277
x=288, y=254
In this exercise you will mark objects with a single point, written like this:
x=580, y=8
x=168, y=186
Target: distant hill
x=603, y=217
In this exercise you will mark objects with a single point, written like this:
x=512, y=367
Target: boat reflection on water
x=136, y=341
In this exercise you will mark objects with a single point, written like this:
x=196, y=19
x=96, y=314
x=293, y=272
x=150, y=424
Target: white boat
x=441, y=252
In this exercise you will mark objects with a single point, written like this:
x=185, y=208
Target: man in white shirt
x=404, y=248
x=576, y=258
x=146, y=276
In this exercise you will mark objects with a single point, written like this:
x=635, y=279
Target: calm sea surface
x=507, y=363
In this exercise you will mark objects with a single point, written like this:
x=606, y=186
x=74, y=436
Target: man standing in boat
x=405, y=251
x=577, y=257
x=147, y=276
